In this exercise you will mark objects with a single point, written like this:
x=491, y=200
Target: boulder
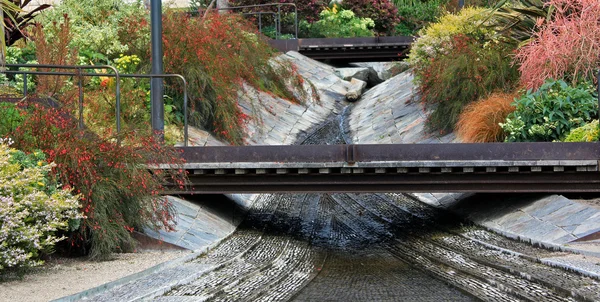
x=381, y=71
x=360, y=73
x=355, y=89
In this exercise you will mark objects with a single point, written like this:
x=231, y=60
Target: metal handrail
x=278, y=12
x=277, y=33
x=80, y=85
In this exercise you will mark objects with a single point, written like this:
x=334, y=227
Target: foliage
x=54, y=50
x=217, y=55
x=479, y=121
x=469, y=72
x=341, y=23
x=117, y=192
x=551, y=112
x=99, y=25
x=586, y=133
x=436, y=39
x=19, y=55
x=307, y=9
x=516, y=19
x=566, y=47
x=416, y=14
x=383, y=12
x=15, y=20
x=32, y=209
x=10, y=118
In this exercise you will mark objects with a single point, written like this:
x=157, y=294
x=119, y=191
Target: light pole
x=156, y=84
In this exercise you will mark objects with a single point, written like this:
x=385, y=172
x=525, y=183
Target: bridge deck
x=502, y=167
x=355, y=49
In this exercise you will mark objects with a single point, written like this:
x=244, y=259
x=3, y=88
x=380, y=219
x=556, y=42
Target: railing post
x=156, y=83
x=24, y=84
x=80, y=86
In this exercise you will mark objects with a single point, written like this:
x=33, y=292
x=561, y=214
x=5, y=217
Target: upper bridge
x=349, y=49
x=493, y=167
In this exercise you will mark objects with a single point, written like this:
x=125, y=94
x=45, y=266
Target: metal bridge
x=349, y=49
x=493, y=167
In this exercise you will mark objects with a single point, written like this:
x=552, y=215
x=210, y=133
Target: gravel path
x=61, y=277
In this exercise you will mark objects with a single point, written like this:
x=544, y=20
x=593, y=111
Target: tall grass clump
x=479, y=122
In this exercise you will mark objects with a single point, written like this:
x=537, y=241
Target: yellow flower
x=40, y=163
x=41, y=184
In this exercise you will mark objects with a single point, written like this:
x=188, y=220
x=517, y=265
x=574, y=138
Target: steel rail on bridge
x=493, y=167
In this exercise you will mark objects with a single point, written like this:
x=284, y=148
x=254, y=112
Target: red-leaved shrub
x=566, y=47
x=479, y=121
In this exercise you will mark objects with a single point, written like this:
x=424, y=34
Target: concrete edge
x=86, y=294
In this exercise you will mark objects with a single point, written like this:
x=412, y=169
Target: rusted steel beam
x=393, y=152
x=339, y=182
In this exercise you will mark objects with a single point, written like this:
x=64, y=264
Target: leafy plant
x=416, y=14
x=566, y=47
x=15, y=20
x=436, y=39
x=479, y=121
x=383, y=12
x=10, y=118
x=551, y=112
x=469, y=72
x=32, y=209
x=516, y=19
x=586, y=133
x=341, y=23
x=99, y=25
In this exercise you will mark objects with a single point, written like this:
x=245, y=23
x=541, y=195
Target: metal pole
x=156, y=84
x=24, y=85
x=80, y=86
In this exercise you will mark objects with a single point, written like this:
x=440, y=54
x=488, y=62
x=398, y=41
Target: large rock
x=382, y=71
x=361, y=73
x=355, y=89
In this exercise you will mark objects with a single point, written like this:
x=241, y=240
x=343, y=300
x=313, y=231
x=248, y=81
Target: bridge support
x=156, y=84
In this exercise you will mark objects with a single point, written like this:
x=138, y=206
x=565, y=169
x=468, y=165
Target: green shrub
x=98, y=25
x=469, y=72
x=415, y=15
x=435, y=40
x=10, y=118
x=585, y=133
x=551, y=112
x=32, y=209
x=340, y=23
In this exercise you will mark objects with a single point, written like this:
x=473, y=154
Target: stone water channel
x=369, y=247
